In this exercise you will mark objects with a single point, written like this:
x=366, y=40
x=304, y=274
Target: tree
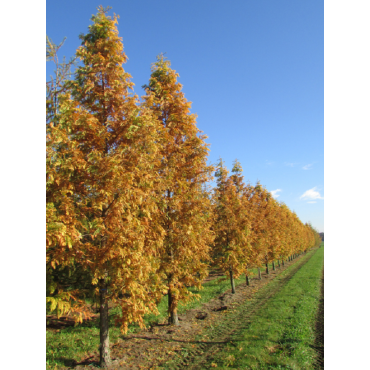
x=231, y=227
x=62, y=219
x=110, y=152
x=256, y=200
x=56, y=85
x=186, y=208
x=284, y=227
x=272, y=232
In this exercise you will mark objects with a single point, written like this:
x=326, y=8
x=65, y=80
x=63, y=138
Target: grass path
x=274, y=330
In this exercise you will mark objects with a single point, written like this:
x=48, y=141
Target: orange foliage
x=186, y=210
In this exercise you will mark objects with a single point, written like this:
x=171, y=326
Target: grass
x=281, y=335
x=72, y=344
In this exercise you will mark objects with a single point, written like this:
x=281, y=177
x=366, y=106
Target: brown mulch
x=155, y=345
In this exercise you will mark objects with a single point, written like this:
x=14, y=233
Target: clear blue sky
x=253, y=70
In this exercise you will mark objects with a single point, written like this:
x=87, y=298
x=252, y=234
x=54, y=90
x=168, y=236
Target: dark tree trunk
x=232, y=281
x=278, y=263
x=282, y=261
x=173, y=318
x=259, y=273
x=267, y=268
x=273, y=265
x=105, y=359
x=247, y=279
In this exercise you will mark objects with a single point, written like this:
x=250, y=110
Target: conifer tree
x=256, y=199
x=62, y=220
x=231, y=227
x=111, y=152
x=245, y=216
x=272, y=232
x=186, y=207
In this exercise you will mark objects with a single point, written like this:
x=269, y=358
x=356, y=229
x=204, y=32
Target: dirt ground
x=154, y=346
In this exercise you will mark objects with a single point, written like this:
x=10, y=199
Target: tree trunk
x=105, y=359
x=278, y=263
x=267, y=268
x=232, y=281
x=282, y=261
x=247, y=279
x=259, y=273
x=173, y=318
x=273, y=265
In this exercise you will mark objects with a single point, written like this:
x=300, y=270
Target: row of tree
x=130, y=215
x=253, y=229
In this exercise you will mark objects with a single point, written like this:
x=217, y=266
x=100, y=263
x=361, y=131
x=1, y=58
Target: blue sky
x=253, y=70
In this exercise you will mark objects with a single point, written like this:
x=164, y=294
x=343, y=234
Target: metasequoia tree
x=245, y=216
x=185, y=205
x=56, y=86
x=273, y=232
x=296, y=235
x=313, y=238
x=62, y=217
x=110, y=154
x=256, y=199
x=280, y=231
x=284, y=228
x=231, y=225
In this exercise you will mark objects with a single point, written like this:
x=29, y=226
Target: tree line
x=130, y=215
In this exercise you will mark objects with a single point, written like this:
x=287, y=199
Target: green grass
x=76, y=343
x=281, y=335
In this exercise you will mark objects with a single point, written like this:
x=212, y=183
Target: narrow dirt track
x=202, y=352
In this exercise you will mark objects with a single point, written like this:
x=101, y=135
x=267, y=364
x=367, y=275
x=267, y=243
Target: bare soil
x=151, y=348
